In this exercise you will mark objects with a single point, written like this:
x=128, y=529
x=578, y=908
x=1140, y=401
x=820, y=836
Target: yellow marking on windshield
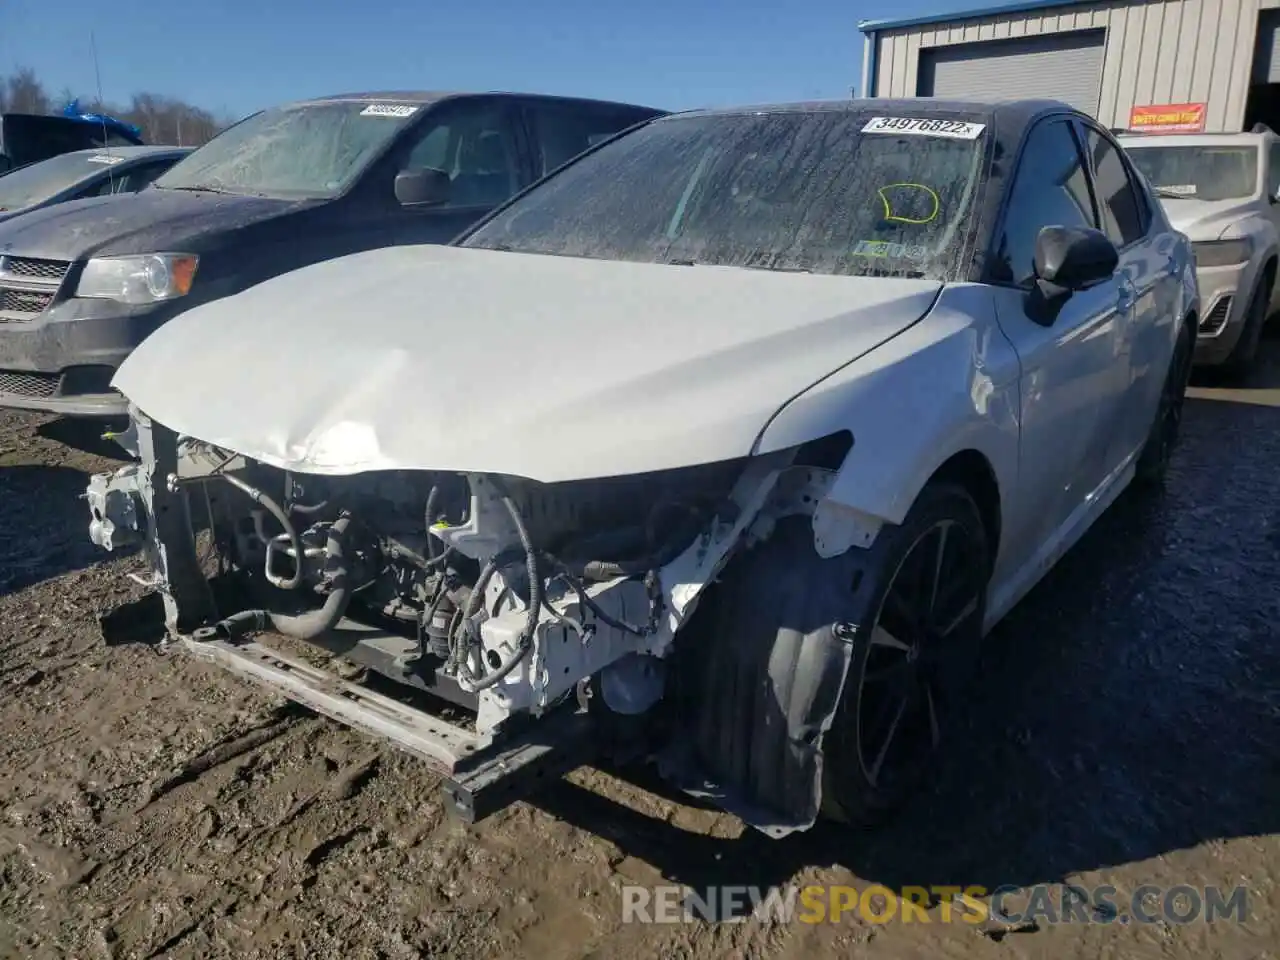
x=888, y=210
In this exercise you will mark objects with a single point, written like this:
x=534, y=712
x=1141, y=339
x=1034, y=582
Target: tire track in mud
x=287, y=718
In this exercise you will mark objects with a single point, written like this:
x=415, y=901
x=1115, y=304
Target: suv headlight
x=145, y=279
x=1222, y=253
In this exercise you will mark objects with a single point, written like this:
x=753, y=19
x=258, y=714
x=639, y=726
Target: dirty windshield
x=38, y=182
x=306, y=151
x=1198, y=172
x=800, y=191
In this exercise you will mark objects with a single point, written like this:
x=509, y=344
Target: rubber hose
x=302, y=626
x=466, y=601
x=309, y=625
x=273, y=508
x=600, y=571
x=535, y=605
x=503, y=670
x=531, y=569
x=429, y=514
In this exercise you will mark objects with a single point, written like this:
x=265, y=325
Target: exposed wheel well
x=971, y=470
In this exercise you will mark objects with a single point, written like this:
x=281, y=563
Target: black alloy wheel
x=912, y=666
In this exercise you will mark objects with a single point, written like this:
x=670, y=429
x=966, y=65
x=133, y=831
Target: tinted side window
x=38, y=140
x=32, y=138
x=476, y=146
x=143, y=174
x=104, y=187
x=432, y=150
x=1122, y=214
x=1273, y=168
x=562, y=131
x=130, y=181
x=1051, y=188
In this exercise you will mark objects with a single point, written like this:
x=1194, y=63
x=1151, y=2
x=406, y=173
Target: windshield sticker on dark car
x=396, y=110
x=104, y=158
x=909, y=203
x=883, y=248
x=923, y=127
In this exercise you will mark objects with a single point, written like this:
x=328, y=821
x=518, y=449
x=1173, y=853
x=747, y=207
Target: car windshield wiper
x=740, y=266
x=881, y=272
x=205, y=188
x=760, y=266
x=195, y=188
x=1173, y=194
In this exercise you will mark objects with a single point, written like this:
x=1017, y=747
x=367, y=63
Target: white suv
x=1223, y=191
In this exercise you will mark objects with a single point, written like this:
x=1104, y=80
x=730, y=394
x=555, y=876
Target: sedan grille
x=1216, y=318
x=28, y=285
x=38, y=386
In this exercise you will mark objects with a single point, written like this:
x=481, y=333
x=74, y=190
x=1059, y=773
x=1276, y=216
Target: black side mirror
x=422, y=188
x=1073, y=258
x=1068, y=259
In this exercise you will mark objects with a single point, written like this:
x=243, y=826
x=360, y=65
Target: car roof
x=435, y=96
x=133, y=153
x=1011, y=113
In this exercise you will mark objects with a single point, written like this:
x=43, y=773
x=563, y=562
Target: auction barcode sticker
x=920, y=126
x=389, y=110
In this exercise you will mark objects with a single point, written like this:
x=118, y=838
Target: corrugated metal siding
x=1163, y=51
x=1067, y=66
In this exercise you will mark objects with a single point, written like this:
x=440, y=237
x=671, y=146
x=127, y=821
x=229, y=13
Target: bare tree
x=25, y=94
x=161, y=119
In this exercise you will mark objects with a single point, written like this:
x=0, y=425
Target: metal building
x=1160, y=65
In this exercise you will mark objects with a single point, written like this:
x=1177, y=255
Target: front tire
x=915, y=647
x=1242, y=356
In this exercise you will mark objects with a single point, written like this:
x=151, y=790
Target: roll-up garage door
x=1059, y=66
x=1266, y=52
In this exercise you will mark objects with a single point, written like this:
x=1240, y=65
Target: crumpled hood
x=552, y=368
x=1205, y=219
x=145, y=222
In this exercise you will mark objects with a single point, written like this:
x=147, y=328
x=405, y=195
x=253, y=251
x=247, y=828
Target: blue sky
x=247, y=55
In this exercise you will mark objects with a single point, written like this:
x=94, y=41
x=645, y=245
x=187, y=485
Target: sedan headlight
x=147, y=279
x=1222, y=253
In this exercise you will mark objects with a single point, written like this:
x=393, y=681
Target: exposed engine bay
x=507, y=596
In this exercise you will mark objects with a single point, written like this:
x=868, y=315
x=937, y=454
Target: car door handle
x=1124, y=300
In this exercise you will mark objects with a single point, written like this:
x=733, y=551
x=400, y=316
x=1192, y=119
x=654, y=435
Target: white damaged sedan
x=722, y=446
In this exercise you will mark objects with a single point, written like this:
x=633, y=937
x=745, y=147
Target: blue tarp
x=72, y=110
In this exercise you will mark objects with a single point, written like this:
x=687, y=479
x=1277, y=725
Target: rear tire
x=1153, y=462
x=915, y=648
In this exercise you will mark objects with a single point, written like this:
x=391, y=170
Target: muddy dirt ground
x=1127, y=731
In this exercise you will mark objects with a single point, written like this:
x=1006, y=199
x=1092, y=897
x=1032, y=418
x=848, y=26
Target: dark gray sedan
x=83, y=173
